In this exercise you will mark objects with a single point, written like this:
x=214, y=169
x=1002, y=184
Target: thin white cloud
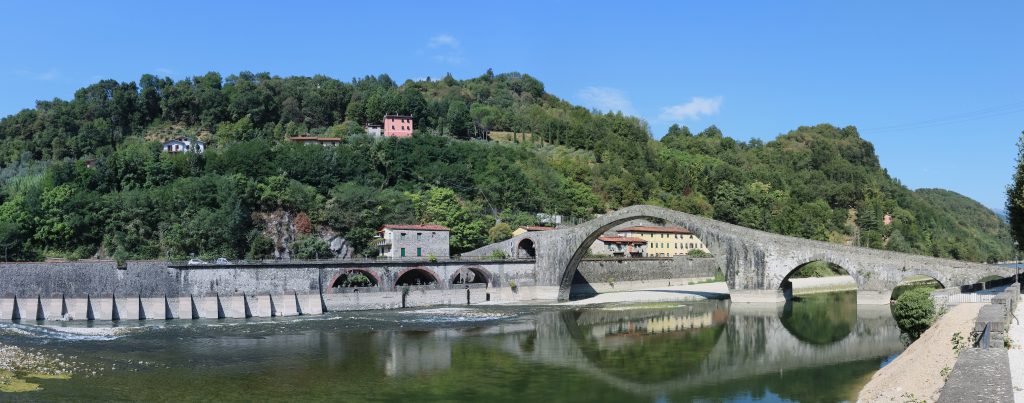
x=443, y=40
x=48, y=75
x=445, y=48
x=697, y=107
x=606, y=99
x=164, y=71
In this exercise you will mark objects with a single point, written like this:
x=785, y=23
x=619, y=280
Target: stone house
x=321, y=141
x=413, y=240
x=374, y=129
x=607, y=245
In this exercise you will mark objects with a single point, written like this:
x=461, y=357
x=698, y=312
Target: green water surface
x=821, y=348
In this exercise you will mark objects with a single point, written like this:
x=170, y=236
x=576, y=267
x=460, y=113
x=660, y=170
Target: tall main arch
x=752, y=260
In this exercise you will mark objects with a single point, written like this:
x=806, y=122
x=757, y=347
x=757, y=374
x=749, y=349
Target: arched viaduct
x=755, y=262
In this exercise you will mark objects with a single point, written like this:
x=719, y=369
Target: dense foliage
x=86, y=177
x=914, y=311
x=1015, y=197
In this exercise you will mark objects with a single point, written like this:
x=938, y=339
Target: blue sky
x=936, y=86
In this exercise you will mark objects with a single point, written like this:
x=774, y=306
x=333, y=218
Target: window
x=403, y=252
x=419, y=235
x=392, y=127
x=403, y=235
x=419, y=252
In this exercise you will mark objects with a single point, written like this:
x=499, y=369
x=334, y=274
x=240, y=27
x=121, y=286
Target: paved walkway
x=1017, y=354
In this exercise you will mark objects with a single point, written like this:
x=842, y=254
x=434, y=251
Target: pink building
x=397, y=126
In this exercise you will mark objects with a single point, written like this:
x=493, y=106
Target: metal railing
x=292, y=262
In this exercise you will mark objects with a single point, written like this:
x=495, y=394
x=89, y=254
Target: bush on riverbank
x=914, y=311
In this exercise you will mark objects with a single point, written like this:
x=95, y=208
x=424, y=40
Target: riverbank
x=919, y=372
x=818, y=285
x=675, y=293
x=18, y=368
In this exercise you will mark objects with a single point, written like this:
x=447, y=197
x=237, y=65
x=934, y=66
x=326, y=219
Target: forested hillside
x=86, y=177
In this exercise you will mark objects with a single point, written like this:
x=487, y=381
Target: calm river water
x=820, y=349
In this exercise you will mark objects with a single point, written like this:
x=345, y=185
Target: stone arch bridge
x=755, y=262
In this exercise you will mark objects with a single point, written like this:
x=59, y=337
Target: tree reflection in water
x=821, y=318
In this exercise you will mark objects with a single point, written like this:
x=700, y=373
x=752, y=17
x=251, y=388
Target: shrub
x=356, y=280
x=914, y=311
x=260, y=247
x=697, y=253
x=311, y=247
x=498, y=254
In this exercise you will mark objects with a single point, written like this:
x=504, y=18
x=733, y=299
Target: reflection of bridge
x=753, y=261
x=754, y=343
x=748, y=341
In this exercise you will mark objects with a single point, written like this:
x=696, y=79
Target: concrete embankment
x=819, y=285
x=146, y=290
x=918, y=373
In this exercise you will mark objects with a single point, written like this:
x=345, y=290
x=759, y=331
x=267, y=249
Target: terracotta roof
x=303, y=138
x=536, y=228
x=657, y=230
x=398, y=116
x=423, y=227
x=620, y=239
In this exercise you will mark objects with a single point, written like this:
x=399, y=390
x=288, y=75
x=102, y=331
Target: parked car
x=222, y=260
x=193, y=262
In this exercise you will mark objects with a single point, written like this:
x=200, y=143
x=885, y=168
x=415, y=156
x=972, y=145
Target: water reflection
x=821, y=318
x=818, y=349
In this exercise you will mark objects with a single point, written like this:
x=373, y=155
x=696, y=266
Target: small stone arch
x=785, y=284
x=413, y=275
x=339, y=279
x=526, y=248
x=475, y=274
x=911, y=280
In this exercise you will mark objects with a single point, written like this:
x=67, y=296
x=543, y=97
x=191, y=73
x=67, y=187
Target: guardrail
x=299, y=262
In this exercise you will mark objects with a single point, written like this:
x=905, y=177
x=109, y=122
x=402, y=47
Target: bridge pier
x=757, y=296
x=866, y=297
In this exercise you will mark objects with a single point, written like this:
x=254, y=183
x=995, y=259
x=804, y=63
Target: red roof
x=657, y=230
x=415, y=227
x=620, y=239
x=304, y=138
x=536, y=228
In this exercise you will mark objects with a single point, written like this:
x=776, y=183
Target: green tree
x=442, y=206
x=1015, y=197
x=914, y=311
x=311, y=247
x=499, y=232
x=459, y=120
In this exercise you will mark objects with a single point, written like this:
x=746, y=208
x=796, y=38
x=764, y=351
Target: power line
x=985, y=113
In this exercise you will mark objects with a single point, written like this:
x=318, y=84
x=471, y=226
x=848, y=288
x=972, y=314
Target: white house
x=183, y=145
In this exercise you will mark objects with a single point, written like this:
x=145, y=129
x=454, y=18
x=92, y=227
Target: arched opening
x=821, y=303
x=568, y=274
x=355, y=278
x=416, y=277
x=525, y=249
x=912, y=306
x=470, y=275
x=816, y=277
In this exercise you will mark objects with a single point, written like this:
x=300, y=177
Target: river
x=822, y=348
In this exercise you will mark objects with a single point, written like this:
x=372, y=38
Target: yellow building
x=665, y=241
